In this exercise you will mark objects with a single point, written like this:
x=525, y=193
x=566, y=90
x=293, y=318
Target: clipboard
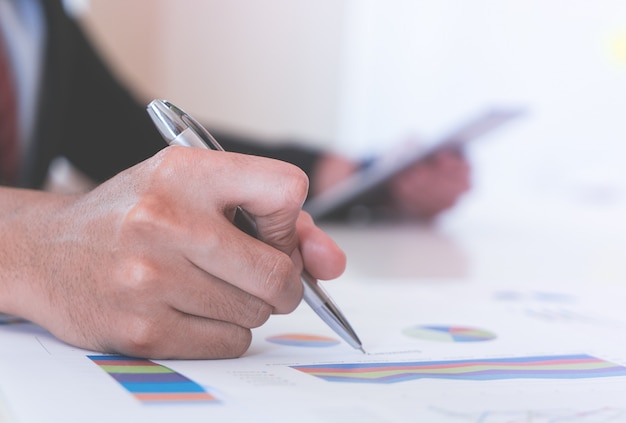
x=360, y=190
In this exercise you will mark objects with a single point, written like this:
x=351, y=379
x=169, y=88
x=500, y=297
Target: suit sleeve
x=109, y=131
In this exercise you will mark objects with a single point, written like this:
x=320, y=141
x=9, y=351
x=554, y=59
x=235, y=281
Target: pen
x=179, y=128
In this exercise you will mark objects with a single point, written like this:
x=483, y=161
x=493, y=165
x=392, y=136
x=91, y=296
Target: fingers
x=271, y=191
x=179, y=336
x=427, y=189
x=150, y=264
x=212, y=246
x=194, y=292
x=247, y=264
x=322, y=256
x=196, y=218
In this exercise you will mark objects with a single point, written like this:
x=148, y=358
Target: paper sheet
x=437, y=352
x=5, y=412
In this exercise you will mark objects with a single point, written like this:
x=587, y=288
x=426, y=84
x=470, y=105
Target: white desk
x=537, y=284
x=583, y=245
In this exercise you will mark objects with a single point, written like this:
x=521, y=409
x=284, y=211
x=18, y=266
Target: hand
x=149, y=264
x=422, y=191
x=429, y=188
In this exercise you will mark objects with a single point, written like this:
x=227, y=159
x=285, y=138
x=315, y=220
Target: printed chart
x=595, y=415
x=303, y=340
x=150, y=382
x=541, y=367
x=7, y=319
x=449, y=333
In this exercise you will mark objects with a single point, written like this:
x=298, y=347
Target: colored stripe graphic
x=449, y=333
x=150, y=382
x=542, y=367
x=7, y=319
x=303, y=340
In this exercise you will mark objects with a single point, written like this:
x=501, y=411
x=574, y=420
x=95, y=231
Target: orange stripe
x=128, y=362
x=199, y=396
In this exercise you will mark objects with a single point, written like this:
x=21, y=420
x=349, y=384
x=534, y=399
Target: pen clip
x=171, y=121
x=177, y=127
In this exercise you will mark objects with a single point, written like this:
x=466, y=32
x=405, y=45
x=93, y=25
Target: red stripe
x=448, y=366
x=129, y=362
x=9, y=148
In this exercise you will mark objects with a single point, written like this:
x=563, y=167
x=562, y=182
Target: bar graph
x=152, y=383
x=303, y=340
x=539, y=367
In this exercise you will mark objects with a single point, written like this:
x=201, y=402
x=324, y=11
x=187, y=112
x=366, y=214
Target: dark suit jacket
x=86, y=115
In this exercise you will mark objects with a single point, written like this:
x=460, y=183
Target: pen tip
x=362, y=350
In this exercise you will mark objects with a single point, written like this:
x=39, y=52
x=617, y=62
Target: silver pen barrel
x=179, y=128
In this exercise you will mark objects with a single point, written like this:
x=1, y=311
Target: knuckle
x=257, y=312
x=279, y=277
x=237, y=344
x=142, y=338
x=147, y=214
x=232, y=343
x=161, y=168
x=166, y=161
x=138, y=276
x=298, y=187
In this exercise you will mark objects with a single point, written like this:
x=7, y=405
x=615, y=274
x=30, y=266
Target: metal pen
x=179, y=128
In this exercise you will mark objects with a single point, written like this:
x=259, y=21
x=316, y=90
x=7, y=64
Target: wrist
x=26, y=223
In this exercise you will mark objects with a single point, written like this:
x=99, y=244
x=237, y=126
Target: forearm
x=103, y=270
x=26, y=224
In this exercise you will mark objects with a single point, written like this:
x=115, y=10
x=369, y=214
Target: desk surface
x=453, y=316
x=586, y=246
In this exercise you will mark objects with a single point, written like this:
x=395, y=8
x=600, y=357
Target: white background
x=360, y=76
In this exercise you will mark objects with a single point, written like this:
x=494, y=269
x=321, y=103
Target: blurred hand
x=422, y=191
x=149, y=263
x=431, y=187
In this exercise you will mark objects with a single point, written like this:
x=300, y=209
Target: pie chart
x=303, y=340
x=443, y=333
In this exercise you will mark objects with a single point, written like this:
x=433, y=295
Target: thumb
x=274, y=210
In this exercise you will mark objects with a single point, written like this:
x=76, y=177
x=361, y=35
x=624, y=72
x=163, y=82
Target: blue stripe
x=182, y=387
